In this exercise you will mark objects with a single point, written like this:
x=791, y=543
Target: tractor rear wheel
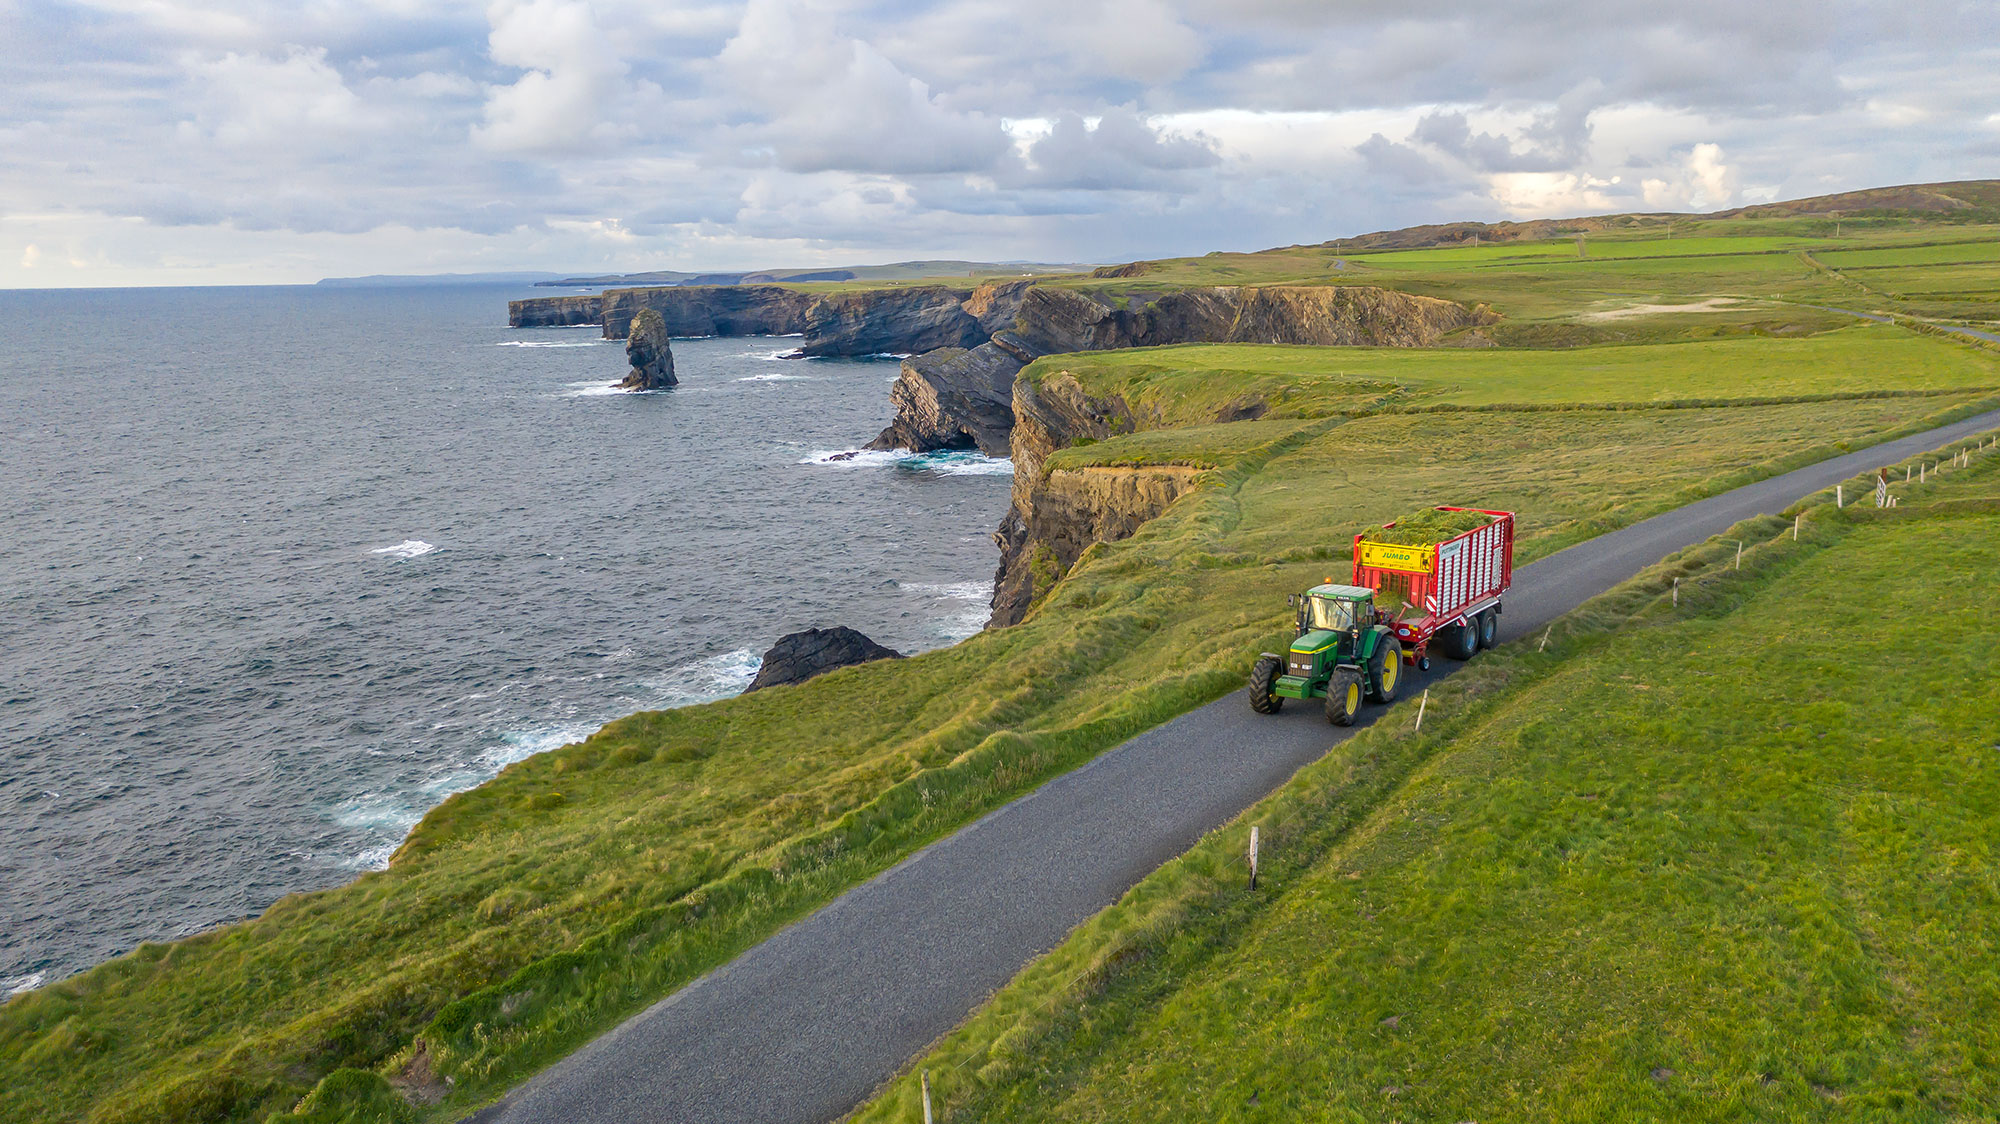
x=1385, y=671
x=1461, y=641
x=1343, y=698
x=1489, y=628
x=1263, y=678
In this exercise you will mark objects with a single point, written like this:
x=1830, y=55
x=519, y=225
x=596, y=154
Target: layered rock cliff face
x=910, y=319
x=1055, y=516
x=1053, y=321
x=555, y=312
x=953, y=398
x=870, y=322
x=650, y=353
x=718, y=310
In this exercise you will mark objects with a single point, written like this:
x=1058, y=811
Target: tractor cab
x=1338, y=609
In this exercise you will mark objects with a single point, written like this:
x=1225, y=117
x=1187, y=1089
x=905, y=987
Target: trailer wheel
x=1385, y=671
x=1489, y=629
x=1263, y=678
x=1343, y=698
x=1461, y=641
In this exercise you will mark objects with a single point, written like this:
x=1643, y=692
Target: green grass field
x=1194, y=383
x=1730, y=859
x=524, y=917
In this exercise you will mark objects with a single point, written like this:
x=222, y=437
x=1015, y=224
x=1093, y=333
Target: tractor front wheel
x=1343, y=698
x=1385, y=671
x=1263, y=678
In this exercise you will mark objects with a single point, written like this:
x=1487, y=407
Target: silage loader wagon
x=1435, y=580
x=1449, y=591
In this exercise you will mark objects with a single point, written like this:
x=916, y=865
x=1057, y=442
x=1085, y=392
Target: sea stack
x=650, y=354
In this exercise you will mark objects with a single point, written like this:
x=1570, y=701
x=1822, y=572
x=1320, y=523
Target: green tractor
x=1342, y=653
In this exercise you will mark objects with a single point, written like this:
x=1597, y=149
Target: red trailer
x=1449, y=591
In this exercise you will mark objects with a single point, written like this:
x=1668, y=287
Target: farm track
x=801, y=1028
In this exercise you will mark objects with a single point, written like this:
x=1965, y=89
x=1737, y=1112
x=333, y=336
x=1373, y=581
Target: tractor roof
x=1343, y=592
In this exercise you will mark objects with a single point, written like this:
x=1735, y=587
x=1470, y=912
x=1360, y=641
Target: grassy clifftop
x=525, y=916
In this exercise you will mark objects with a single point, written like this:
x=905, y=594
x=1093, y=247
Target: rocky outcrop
x=953, y=398
x=874, y=321
x=711, y=310
x=802, y=655
x=556, y=312
x=996, y=304
x=650, y=352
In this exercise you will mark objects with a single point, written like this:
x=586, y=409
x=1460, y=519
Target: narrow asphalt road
x=801, y=1028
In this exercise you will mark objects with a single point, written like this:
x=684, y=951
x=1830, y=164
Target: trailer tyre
x=1263, y=678
x=1461, y=641
x=1385, y=671
x=1343, y=698
x=1489, y=628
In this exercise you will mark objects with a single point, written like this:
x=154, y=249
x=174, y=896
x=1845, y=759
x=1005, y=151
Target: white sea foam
x=706, y=679
x=548, y=343
x=956, y=591
x=387, y=817
x=15, y=985
x=768, y=356
x=947, y=462
x=775, y=376
x=408, y=548
x=965, y=606
x=591, y=390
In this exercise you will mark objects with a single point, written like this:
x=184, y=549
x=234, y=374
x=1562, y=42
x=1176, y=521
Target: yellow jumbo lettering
x=1391, y=556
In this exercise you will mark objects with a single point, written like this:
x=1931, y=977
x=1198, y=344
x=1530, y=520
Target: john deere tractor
x=1342, y=652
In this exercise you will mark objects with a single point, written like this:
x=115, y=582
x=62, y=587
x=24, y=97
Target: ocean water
x=281, y=568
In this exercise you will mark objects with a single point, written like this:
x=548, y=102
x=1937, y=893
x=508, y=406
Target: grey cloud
x=1122, y=152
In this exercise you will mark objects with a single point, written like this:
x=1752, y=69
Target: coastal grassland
x=1197, y=382
x=1725, y=857
x=524, y=917
x=1941, y=269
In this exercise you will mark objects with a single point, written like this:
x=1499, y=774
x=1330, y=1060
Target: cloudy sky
x=174, y=142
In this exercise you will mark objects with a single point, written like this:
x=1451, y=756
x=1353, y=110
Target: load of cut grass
x=1427, y=527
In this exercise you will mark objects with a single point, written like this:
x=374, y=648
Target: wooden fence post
x=1253, y=857
x=927, y=1097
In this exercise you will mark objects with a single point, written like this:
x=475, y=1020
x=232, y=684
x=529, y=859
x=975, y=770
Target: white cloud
x=824, y=101
x=295, y=100
x=1703, y=183
x=1537, y=195
x=576, y=95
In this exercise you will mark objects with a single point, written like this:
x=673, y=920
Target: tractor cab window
x=1334, y=614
